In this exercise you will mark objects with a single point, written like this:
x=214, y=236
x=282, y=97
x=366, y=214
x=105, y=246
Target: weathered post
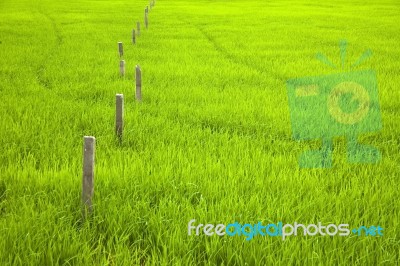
x=138, y=28
x=120, y=49
x=146, y=20
x=119, y=115
x=89, y=147
x=138, y=83
x=133, y=36
x=122, y=67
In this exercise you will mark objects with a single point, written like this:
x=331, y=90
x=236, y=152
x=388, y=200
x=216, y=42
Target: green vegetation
x=211, y=140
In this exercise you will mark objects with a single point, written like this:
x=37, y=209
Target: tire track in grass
x=229, y=56
x=233, y=129
x=41, y=69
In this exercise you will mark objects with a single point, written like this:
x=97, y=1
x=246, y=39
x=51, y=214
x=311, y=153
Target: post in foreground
x=119, y=115
x=89, y=147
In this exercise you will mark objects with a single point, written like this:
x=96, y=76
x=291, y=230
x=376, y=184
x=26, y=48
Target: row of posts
x=89, y=142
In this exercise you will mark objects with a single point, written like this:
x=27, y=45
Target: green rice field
x=211, y=140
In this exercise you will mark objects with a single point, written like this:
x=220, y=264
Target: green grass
x=211, y=140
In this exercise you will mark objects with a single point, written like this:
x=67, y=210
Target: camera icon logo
x=359, y=93
x=344, y=104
